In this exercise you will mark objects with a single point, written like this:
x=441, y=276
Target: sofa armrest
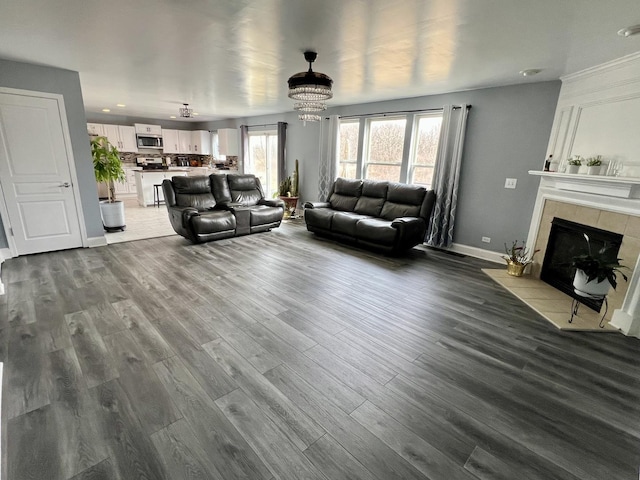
x=317, y=204
x=276, y=202
x=410, y=226
x=181, y=215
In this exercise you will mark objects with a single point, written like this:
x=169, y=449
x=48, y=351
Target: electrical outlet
x=486, y=239
x=510, y=183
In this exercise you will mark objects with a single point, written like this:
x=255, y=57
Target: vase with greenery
x=596, y=272
x=107, y=168
x=288, y=192
x=574, y=164
x=518, y=257
x=594, y=164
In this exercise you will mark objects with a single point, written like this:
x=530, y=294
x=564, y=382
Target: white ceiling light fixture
x=530, y=72
x=185, y=111
x=629, y=31
x=312, y=89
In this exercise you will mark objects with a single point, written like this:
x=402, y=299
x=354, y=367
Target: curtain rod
x=265, y=125
x=384, y=114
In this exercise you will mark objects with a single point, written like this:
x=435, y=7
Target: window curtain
x=282, y=151
x=328, y=155
x=447, y=176
x=244, y=150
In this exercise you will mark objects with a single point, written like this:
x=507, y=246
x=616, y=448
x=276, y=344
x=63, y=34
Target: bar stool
x=156, y=194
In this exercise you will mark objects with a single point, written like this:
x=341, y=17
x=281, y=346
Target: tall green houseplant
x=107, y=166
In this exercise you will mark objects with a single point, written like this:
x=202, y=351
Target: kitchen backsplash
x=202, y=160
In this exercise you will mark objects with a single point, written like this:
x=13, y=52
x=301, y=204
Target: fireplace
x=566, y=240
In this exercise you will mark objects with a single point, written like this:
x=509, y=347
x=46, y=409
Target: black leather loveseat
x=204, y=208
x=391, y=217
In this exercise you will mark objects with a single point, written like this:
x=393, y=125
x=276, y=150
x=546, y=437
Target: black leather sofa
x=204, y=208
x=391, y=217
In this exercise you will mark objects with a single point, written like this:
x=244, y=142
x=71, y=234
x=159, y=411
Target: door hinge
x=11, y=231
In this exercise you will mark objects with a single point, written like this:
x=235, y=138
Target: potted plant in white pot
x=596, y=273
x=107, y=168
x=593, y=165
x=574, y=164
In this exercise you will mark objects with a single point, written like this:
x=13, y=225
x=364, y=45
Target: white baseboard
x=477, y=253
x=5, y=254
x=100, y=241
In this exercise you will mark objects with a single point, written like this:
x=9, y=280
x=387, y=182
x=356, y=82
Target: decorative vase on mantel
x=573, y=168
x=592, y=288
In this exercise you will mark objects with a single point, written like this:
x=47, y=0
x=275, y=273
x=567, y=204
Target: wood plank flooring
x=286, y=356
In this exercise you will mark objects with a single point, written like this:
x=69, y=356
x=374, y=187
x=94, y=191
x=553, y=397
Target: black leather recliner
x=205, y=208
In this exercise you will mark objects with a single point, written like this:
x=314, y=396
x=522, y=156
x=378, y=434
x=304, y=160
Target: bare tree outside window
x=348, y=148
x=263, y=159
x=384, y=149
x=425, y=150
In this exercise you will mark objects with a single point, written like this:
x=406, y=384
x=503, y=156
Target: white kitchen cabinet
x=122, y=137
x=184, y=141
x=145, y=129
x=145, y=181
x=95, y=129
x=126, y=188
x=228, y=141
x=201, y=142
x=170, y=141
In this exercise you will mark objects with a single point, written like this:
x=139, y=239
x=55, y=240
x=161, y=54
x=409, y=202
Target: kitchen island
x=146, y=179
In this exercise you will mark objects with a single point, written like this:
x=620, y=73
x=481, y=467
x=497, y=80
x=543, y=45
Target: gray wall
x=67, y=83
x=507, y=135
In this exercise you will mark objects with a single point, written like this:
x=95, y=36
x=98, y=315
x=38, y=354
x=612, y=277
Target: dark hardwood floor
x=285, y=356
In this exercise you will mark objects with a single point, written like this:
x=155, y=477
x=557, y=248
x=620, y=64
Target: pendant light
x=185, y=111
x=311, y=89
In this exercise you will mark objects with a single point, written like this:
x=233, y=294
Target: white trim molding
x=476, y=252
x=100, y=241
x=5, y=254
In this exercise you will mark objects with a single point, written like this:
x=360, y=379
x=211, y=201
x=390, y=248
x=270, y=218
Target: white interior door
x=35, y=175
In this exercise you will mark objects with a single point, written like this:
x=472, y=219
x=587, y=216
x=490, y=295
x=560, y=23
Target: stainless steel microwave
x=148, y=141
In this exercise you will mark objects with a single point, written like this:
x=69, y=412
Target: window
x=425, y=149
x=348, y=148
x=385, y=144
x=384, y=156
x=263, y=160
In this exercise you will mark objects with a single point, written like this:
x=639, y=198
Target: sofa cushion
x=348, y=187
x=345, y=222
x=193, y=192
x=372, y=199
x=220, y=188
x=391, y=210
x=212, y=222
x=319, y=217
x=263, y=215
x=376, y=230
x=245, y=189
x=404, y=193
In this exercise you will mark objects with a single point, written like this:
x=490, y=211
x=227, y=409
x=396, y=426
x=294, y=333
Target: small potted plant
x=518, y=257
x=596, y=273
x=107, y=168
x=574, y=164
x=288, y=193
x=593, y=165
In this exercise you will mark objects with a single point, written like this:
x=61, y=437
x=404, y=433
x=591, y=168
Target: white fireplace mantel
x=614, y=194
x=619, y=187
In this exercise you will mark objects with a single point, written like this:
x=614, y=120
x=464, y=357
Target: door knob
x=65, y=185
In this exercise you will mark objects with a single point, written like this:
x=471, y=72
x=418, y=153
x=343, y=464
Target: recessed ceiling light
x=629, y=31
x=172, y=116
x=106, y=110
x=121, y=105
x=195, y=114
x=530, y=72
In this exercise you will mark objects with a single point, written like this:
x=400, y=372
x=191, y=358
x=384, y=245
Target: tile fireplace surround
x=608, y=203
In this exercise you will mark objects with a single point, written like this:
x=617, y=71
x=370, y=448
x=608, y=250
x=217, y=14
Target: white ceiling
x=230, y=58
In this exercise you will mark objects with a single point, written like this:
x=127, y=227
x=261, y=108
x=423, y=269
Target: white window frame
x=266, y=133
x=365, y=153
x=411, y=165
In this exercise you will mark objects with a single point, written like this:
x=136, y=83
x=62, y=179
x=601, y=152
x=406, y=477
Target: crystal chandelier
x=185, y=111
x=312, y=89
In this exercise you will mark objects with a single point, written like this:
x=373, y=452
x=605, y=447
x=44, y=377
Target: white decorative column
x=627, y=318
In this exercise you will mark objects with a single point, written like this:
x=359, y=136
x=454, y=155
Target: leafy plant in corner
x=107, y=166
x=601, y=265
x=519, y=254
